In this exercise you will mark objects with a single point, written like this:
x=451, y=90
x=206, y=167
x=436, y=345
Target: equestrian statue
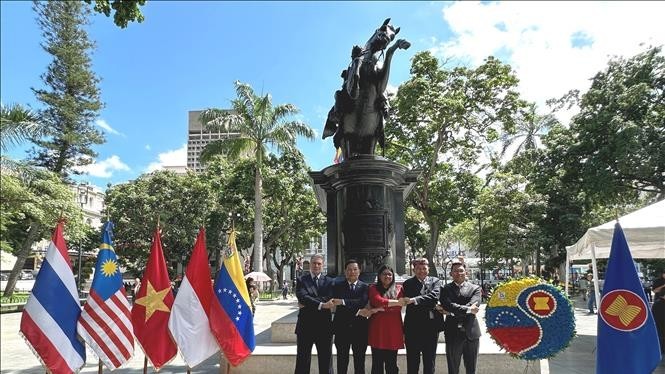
x=361, y=106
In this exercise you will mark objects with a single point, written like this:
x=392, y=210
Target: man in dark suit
x=461, y=299
x=422, y=322
x=349, y=328
x=314, y=326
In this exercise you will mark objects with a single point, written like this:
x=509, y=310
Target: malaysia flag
x=105, y=322
x=48, y=322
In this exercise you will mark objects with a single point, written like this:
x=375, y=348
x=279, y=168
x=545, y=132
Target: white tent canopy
x=644, y=230
x=645, y=234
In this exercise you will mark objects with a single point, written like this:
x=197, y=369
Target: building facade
x=198, y=137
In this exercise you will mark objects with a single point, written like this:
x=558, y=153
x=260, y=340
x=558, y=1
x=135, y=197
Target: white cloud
x=175, y=157
x=147, y=147
x=104, y=168
x=553, y=46
x=103, y=124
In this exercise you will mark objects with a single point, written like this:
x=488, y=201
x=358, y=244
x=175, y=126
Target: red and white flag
x=190, y=312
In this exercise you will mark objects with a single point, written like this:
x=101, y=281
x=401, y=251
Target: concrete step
x=281, y=358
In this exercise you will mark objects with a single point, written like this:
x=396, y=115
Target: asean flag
x=627, y=336
x=189, y=321
x=231, y=318
x=152, y=308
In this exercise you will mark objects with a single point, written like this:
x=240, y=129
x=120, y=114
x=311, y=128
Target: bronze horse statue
x=356, y=119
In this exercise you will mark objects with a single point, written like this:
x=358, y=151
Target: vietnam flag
x=152, y=308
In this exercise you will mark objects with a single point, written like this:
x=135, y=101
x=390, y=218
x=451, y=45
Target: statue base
x=363, y=198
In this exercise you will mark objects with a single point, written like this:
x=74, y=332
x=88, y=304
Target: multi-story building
x=198, y=137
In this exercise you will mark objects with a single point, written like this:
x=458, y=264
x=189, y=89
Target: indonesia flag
x=190, y=314
x=48, y=322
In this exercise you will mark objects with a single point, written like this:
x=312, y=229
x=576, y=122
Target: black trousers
x=384, y=358
x=658, y=310
x=357, y=342
x=323, y=344
x=459, y=346
x=417, y=343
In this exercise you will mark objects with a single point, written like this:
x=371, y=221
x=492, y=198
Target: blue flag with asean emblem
x=627, y=336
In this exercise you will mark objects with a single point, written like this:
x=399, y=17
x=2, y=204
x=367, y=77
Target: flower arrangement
x=530, y=318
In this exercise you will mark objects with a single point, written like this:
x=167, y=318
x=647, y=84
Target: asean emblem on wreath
x=623, y=310
x=529, y=318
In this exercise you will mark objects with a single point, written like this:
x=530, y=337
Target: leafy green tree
x=443, y=118
x=125, y=10
x=181, y=203
x=71, y=104
x=259, y=124
x=619, y=136
x=292, y=213
x=31, y=202
x=71, y=98
x=17, y=125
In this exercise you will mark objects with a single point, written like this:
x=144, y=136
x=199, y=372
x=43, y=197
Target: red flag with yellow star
x=152, y=309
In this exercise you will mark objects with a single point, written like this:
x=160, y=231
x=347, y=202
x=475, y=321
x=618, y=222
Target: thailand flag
x=48, y=322
x=231, y=318
x=105, y=322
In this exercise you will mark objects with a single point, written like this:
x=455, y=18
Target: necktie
x=316, y=282
x=353, y=286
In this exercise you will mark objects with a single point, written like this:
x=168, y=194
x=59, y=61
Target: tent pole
x=567, y=271
x=595, y=275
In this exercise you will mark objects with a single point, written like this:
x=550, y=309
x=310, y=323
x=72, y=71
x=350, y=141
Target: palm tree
x=259, y=126
x=17, y=124
x=529, y=131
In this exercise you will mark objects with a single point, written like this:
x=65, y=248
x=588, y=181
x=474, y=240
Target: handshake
x=404, y=301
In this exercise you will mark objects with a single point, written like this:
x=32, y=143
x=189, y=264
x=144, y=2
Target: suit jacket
x=421, y=315
x=457, y=301
x=311, y=319
x=345, y=319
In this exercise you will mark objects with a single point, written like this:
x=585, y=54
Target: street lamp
x=83, y=200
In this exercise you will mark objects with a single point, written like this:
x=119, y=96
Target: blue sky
x=186, y=56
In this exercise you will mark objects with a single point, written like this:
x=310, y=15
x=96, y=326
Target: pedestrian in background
x=285, y=290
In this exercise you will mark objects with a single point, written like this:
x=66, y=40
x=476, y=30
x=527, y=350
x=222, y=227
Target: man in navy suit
x=314, y=326
x=350, y=329
x=461, y=299
x=422, y=323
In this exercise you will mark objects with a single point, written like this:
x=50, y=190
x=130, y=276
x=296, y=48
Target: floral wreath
x=529, y=318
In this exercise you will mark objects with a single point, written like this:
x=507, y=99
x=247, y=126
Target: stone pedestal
x=363, y=198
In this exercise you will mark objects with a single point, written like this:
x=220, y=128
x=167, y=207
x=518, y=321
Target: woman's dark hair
x=379, y=285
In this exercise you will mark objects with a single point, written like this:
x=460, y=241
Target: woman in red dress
x=386, y=335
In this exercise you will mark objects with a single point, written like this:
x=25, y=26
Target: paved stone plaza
x=16, y=357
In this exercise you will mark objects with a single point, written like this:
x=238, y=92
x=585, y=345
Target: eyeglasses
x=387, y=274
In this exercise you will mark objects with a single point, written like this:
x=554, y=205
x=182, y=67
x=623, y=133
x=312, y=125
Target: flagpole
x=100, y=368
x=145, y=365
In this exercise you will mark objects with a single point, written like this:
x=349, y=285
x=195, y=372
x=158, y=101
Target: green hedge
x=15, y=298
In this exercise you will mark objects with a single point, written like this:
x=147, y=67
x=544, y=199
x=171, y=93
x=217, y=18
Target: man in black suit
x=314, y=326
x=349, y=328
x=422, y=322
x=461, y=299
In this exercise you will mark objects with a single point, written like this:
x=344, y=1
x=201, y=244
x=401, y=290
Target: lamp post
x=83, y=200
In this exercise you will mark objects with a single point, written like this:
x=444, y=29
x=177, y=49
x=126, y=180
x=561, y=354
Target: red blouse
x=385, y=328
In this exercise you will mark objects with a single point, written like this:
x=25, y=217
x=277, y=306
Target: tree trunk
x=433, y=240
x=21, y=256
x=258, y=220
